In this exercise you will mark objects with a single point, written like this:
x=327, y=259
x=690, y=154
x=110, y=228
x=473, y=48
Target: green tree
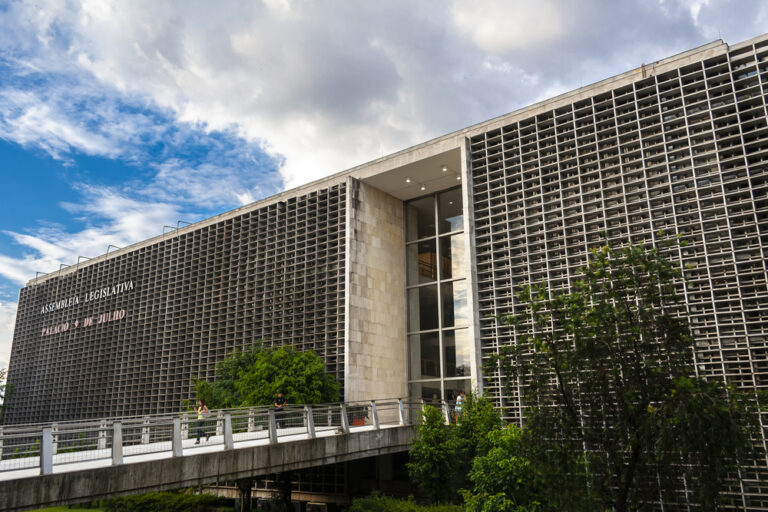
x=254, y=376
x=479, y=419
x=433, y=455
x=611, y=402
x=5, y=390
x=503, y=479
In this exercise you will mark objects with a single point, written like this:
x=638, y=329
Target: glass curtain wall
x=438, y=336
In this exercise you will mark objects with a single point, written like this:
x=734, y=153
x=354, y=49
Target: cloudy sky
x=117, y=118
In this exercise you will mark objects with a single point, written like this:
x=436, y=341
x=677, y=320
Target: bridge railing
x=43, y=446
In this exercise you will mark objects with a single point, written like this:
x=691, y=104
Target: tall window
x=438, y=335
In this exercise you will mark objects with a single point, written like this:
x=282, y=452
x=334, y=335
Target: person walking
x=459, y=408
x=202, y=412
x=279, y=404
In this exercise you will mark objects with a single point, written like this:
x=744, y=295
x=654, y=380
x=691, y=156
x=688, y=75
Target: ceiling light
x=407, y=180
x=423, y=187
x=445, y=168
x=458, y=178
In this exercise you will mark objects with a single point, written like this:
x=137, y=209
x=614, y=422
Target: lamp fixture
x=445, y=168
x=407, y=180
x=423, y=187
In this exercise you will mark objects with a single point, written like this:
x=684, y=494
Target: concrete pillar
x=447, y=413
x=1, y=443
x=272, y=427
x=46, y=451
x=374, y=415
x=176, y=438
x=245, y=485
x=344, y=419
x=309, y=422
x=117, y=443
x=229, y=442
x=401, y=411
x=185, y=426
x=251, y=420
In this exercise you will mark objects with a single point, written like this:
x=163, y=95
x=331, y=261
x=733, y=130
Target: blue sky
x=117, y=118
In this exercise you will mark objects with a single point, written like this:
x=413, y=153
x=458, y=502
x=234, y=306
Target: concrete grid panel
x=274, y=272
x=684, y=151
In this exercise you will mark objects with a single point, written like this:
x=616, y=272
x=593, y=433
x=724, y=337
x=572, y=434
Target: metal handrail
x=108, y=441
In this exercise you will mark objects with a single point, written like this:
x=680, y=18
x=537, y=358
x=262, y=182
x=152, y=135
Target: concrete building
x=393, y=271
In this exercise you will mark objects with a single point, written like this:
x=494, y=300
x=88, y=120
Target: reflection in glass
x=420, y=221
x=456, y=350
x=452, y=258
x=449, y=211
x=428, y=391
x=421, y=262
x=455, y=311
x=422, y=308
x=424, y=357
x=454, y=387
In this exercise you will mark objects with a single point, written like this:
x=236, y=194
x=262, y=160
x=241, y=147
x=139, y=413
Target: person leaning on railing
x=202, y=412
x=279, y=404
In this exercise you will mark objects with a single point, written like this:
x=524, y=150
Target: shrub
x=163, y=502
x=378, y=503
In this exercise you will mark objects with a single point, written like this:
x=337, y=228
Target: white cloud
x=7, y=322
x=500, y=26
x=30, y=120
x=324, y=89
x=109, y=218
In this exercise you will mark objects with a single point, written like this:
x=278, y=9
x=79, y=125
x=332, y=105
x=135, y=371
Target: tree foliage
x=433, y=455
x=442, y=455
x=611, y=401
x=5, y=389
x=503, y=479
x=254, y=376
x=479, y=419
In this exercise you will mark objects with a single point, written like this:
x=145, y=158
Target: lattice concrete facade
x=684, y=151
x=679, y=145
x=274, y=272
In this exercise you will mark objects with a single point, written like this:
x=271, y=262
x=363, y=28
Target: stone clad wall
x=376, y=365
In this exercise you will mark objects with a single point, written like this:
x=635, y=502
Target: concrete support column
x=272, y=427
x=46, y=452
x=401, y=411
x=309, y=422
x=176, y=439
x=245, y=485
x=344, y=419
x=374, y=416
x=117, y=443
x=229, y=442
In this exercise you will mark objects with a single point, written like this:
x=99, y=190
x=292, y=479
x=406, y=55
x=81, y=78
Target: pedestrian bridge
x=72, y=462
